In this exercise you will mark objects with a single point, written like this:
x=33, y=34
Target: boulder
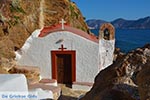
x=6, y=64
x=143, y=81
x=32, y=73
x=104, y=87
x=119, y=82
x=3, y=71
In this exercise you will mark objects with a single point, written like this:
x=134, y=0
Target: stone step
x=52, y=82
x=55, y=89
x=84, y=86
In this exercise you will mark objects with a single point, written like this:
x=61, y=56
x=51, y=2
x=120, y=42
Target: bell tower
x=106, y=45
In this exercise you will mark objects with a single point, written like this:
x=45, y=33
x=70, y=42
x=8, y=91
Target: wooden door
x=64, y=68
x=67, y=69
x=60, y=68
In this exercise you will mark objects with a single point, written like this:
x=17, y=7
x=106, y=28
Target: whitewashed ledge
x=13, y=82
x=16, y=84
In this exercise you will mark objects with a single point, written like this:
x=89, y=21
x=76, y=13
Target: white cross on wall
x=62, y=23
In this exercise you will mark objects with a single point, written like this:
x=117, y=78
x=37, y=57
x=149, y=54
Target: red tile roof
x=48, y=30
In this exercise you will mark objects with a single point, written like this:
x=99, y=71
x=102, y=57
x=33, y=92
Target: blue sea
x=129, y=39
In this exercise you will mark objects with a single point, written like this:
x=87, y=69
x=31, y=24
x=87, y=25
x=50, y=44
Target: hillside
x=142, y=23
x=120, y=23
x=19, y=18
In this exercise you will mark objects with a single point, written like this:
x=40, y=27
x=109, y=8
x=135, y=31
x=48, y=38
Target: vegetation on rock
x=19, y=18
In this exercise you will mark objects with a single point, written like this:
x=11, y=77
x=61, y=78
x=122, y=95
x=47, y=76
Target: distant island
x=120, y=23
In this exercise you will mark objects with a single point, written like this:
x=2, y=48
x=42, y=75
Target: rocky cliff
x=126, y=79
x=19, y=18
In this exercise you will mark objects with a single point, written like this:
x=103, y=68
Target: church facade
x=63, y=53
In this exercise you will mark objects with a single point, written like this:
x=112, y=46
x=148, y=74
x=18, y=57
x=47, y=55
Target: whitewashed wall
x=106, y=53
x=39, y=54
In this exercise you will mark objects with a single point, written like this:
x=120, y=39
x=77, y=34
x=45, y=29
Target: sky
x=110, y=10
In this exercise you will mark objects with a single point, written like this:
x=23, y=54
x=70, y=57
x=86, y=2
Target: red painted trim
x=54, y=64
x=54, y=68
x=55, y=28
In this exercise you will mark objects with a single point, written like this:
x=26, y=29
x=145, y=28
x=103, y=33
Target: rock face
x=123, y=77
x=143, y=80
x=19, y=18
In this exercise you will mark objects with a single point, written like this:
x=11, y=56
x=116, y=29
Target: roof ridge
x=54, y=28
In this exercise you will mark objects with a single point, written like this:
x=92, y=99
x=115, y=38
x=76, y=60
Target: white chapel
x=67, y=54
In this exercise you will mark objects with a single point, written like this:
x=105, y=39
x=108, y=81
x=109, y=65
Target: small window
x=106, y=34
x=107, y=31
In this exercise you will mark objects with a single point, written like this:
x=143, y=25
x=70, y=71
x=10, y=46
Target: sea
x=129, y=39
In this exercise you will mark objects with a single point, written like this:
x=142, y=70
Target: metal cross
x=62, y=48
